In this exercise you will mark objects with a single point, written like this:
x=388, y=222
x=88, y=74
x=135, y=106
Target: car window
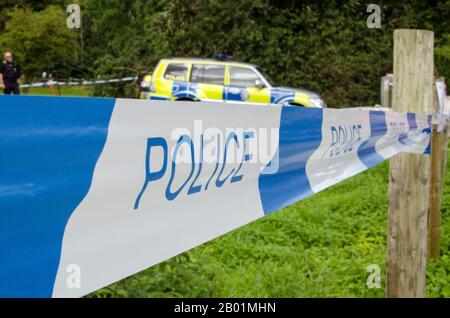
x=208, y=74
x=267, y=77
x=242, y=76
x=176, y=72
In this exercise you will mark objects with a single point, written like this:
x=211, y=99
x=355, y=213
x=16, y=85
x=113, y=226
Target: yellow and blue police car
x=220, y=79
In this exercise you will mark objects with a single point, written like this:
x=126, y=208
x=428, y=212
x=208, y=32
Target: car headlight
x=318, y=102
x=144, y=86
x=148, y=87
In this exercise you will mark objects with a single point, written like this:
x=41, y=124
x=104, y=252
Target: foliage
x=41, y=41
x=442, y=55
x=324, y=46
x=80, y=91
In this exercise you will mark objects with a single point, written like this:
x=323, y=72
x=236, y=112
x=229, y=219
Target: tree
x=442, y=54
x=323, y=46
x=41, y=41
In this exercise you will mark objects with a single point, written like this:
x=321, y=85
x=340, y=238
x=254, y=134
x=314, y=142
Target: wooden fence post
x=439, y=144
x=409, y=173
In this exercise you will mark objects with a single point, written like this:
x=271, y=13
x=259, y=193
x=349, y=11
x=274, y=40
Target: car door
x=172, y=83
x=210, y=80
x=242, y=86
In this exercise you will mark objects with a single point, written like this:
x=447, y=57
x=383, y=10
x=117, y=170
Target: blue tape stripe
x=403, y=138
x=412, y=121
x=378, y=129
x=300, y=136
x=428, y=130
x=49, y=148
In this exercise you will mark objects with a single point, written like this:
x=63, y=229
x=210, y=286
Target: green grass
x=319, y=247
x=64, y=91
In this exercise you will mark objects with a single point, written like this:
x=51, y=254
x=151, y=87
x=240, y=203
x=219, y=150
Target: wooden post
x=447, y=105
x=409, y=173
x=439, y=144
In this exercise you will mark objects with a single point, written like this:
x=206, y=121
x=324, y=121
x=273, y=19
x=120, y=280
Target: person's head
x=8, y=57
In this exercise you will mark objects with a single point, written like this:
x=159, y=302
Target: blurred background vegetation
x=324, y=46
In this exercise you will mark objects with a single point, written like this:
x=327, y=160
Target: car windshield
x=271, y=81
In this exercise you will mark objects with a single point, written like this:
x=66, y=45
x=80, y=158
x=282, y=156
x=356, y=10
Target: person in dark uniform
x=10, y=74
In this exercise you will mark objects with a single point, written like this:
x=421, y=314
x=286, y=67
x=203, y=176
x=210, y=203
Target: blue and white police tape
x=82, y=82
x=94, y=190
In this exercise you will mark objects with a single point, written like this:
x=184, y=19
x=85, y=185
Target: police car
x=220, y=80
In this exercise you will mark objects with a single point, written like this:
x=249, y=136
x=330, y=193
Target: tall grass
x=319, y=247
x=64, y=91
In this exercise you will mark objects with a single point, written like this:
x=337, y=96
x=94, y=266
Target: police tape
x=94, y=190
x=79, y=83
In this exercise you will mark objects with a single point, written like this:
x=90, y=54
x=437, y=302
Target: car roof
x=207, y=60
